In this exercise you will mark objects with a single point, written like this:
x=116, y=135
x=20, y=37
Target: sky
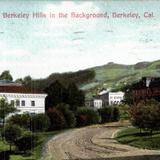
x=41, y=46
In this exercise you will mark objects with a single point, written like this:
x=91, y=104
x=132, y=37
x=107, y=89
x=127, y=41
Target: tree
x=19, y=80
x=26, y=142
x=68, y=115
x=11, y=133
x=57, y=120
x=5, y=75
x=6, y=109
x=75, y=96
x=22, y=120
x=146, y=115
x=40, y=122
x=56, y=94
x=27, y=81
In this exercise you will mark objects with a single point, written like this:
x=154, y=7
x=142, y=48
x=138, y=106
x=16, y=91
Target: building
x=115, y=97
x=23, y=98
x=108, y=98
x=146, y=88
x=98, y=103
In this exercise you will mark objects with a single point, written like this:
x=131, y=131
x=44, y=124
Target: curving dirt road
x=94, y=143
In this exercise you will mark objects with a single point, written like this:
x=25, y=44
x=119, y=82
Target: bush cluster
x=86, y=116
x=26, y=142
x=35, y=123
x=109, y=114
x=21, y=127
x=146, y=115
x=23, y=140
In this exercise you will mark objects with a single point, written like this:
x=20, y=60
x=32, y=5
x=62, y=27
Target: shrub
x=124, y=111
x=87, y=116
x=26, y=142
x=40, y=122
x=22, y=120
x=146, y=115
x=68, y=115
x=11, y=133
x=109, y=114
x=106, y=114
x=115, y=114
x=57, y=120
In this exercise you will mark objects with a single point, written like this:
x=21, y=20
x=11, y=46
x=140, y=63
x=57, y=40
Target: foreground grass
x=36, y=153
x=133, y=137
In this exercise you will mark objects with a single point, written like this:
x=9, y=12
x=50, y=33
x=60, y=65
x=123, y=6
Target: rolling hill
x=106, y=76
x=116, y=75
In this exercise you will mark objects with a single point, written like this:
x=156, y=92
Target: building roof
x=19, y=89
x=9, y=83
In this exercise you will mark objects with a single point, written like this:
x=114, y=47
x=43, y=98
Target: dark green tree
x=146, y=115
x=11, y=133
x=6, y=109
x=5, y=75
x=27, y=81
x=76, y=97
x=40, y=122
x=26, y=142
x=68, y=115
x=22, y=120
x=56, y=94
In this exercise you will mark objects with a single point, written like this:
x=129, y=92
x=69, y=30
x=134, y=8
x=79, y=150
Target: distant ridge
x=109, y=75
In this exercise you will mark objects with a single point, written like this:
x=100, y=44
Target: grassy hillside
x=117, y=75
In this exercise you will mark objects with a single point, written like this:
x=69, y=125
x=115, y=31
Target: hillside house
x=108, y=98
x=24, y=99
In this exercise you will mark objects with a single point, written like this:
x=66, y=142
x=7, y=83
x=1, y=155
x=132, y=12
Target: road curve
x=92, y=143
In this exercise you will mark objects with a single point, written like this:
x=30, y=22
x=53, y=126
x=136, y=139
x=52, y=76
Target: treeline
x=78, y=78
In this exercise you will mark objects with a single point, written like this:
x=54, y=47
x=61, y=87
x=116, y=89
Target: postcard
x=80, y=79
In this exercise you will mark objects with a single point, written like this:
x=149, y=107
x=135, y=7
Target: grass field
x=36, y=153
x=133, y=137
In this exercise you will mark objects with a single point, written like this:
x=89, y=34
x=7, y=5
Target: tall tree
x=5, y=75
x=27, y=81
x=75, y=96
x=56, y=94
x=11, y=133
x=6, y=109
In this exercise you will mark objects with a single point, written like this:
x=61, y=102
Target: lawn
x=133, y=137
x=36, y=153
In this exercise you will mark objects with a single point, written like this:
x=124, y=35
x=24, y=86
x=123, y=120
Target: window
x=12, y=102
x=17, y=103
x=23, y=103
x=32, y=103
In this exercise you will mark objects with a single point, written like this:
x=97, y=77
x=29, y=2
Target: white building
x=24, y=99
x=108, y=98
x=97, y=103
x=115, y=97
